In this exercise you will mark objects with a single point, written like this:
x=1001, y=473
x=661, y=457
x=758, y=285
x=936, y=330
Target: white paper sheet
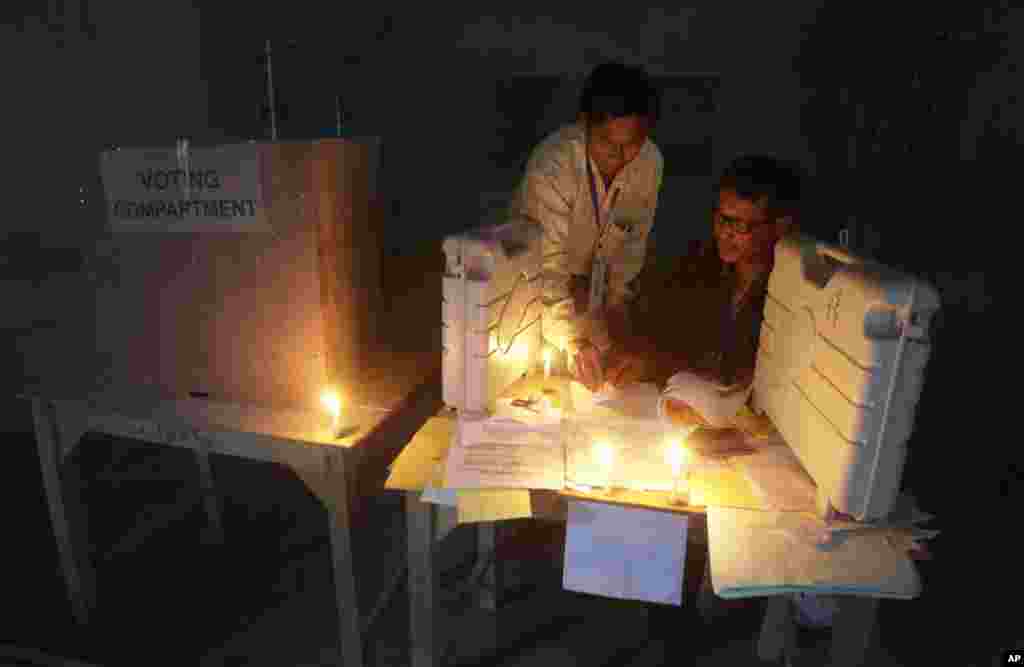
x=505, y=455
x=625, y=552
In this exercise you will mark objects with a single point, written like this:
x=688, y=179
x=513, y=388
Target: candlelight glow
x=547, y=363
x=677, y=455
x=519, y=352
x=331, y=402
x=604, y=454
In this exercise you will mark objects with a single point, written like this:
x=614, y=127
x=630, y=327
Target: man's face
x=616, y=142
x=743, y=229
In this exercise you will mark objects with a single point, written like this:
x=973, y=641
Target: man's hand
x=625, y=368
x=585, y=364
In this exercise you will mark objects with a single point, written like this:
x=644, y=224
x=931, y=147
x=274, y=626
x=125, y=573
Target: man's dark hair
x=767, y=180
x=614, y=90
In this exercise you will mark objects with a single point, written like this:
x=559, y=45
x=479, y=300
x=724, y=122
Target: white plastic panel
x=840, y=367
x=453, y=340
x=495, y=273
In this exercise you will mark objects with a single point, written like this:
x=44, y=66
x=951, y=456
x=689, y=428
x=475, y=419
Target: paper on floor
x=625, y=552
x=490, y=454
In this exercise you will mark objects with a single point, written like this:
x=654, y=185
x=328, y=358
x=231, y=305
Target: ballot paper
x=625, y=552
x=754, y=553
x=505, y=454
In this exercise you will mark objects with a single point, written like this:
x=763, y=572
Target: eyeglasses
x=737, y=226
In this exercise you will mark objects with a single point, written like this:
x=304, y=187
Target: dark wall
x=913, y=131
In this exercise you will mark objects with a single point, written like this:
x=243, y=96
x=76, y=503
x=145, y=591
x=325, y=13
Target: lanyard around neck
x=601, y=229
x=593, y=188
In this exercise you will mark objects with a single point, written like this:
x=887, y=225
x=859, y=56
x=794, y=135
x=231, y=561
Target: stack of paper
x=505, y=454
x=756, y=553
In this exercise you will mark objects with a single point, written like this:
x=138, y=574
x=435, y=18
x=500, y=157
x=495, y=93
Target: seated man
x=697, y=328
x=704, y=317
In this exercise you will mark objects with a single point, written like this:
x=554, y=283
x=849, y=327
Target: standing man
x=593, y=187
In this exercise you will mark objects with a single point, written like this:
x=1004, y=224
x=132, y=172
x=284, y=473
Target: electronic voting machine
x=491, y=309
x=840, y=367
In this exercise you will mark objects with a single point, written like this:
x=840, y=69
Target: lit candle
x=605, y=456
x=547, y=363
x=679, y=458
x=332, y=403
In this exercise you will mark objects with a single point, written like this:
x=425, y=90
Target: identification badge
x=598, y=284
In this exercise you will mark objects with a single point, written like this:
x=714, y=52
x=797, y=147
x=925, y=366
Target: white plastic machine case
x=491, y=311
x=840, y=367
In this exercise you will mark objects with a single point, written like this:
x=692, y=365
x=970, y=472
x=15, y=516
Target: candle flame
x=331, y=402
x=677, y=455
x=605, y=454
